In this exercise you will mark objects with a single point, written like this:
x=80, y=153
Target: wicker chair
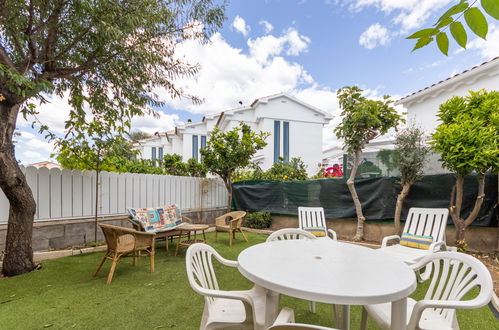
x=123, y=241
x=235, y=223
x=168, y=235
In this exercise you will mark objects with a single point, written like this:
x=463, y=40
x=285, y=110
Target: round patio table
x=326, y=271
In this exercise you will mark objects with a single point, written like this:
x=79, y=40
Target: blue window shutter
x=277, y=140
x=195, y=147
x=160, y=153
x=153, y=153
x=285, y=138
x=203, y=144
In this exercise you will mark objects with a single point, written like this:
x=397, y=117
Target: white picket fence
x=69, y=194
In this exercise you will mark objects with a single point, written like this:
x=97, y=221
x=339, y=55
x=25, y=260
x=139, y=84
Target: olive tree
x=107, y=57
x=409, y=157
x=468, y=139
x=227, y=152
x=363, y=120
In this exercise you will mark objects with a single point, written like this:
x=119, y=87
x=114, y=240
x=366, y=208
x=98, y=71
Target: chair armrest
x=388, y=238
x=287, y=315
x=424, y=304
x=333, y=234
x=220, y=221
x=136, y=225
x=187, y=219
x=438, y=246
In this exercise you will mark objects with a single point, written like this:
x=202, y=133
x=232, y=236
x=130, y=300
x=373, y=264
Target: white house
x=295, y=131
x=422, y=106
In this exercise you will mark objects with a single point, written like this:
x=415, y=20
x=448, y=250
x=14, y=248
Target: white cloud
x=409, y=14
x=489, y=48
x=151, y=125
x=228, y=75
x=36, y=156
x=239, y=24
x=375, y=35
x=267, y=26
x=291, y=43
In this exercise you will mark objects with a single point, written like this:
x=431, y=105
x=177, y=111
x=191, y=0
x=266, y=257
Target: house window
x=203, y=145
x=195, y=147
x=160, y=153
x=277, y=140
x=153, y=153
x=285, y=140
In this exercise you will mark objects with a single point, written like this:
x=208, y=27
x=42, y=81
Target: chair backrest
x=238, y=216
x=311, y=217
x=200, y=272
x=454, y=274
x=289, y=233
x=427, y=222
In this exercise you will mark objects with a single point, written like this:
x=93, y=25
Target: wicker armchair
x=123, y=241
x=235, y=223
x=168, y=235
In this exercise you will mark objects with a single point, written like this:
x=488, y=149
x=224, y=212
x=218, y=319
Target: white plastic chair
x=420, y=221
x=286, y=321
x=289, y=233
x=314, y=217
x=454, y=275
x=222, y=309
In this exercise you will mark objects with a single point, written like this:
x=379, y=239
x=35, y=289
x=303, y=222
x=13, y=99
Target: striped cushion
x=316, y=231
x=416, y=241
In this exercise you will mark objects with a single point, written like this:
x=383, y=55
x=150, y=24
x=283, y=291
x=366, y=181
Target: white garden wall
x=70, y=194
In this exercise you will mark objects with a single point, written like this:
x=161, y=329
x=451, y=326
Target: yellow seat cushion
x=416, y=241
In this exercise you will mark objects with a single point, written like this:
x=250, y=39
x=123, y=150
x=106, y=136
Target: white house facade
x=422, y=106
x=295, y=131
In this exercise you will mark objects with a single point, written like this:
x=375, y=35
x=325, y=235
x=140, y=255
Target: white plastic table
x=331, y=272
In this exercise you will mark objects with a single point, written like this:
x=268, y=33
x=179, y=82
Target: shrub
x=258, y=220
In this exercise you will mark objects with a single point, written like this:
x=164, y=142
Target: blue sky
x=306, y=48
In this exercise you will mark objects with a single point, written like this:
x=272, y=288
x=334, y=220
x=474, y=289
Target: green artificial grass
x=63, y=294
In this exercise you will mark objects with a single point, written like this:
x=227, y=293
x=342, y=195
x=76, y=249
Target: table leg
x=178, y=243
x=345, y=317
x=399, y=314
x=204, y=236
x=271, y=307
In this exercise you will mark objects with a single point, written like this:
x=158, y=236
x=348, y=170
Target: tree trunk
x=398, y=209
x=359, y=235
x=455, y=210
x=18, y=257
x=228, y=186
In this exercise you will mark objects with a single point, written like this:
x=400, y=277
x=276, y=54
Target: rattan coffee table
x=190, y=228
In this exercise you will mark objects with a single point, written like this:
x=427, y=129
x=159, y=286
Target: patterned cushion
x=416, y=241
x=316, y=231
x=157, y=219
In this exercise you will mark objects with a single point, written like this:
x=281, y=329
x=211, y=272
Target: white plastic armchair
x=314, y=217
x=222, y=309
x=286, y=321
x=454, y=275
x=289, y=233
x=420, y=221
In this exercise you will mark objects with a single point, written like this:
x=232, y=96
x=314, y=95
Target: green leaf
x=423, y=33
x=443, y=43
x=460, y=7
x=422, y=42
x=491, y=7
x=444, y=23
x=459, y=33
x=477, y=22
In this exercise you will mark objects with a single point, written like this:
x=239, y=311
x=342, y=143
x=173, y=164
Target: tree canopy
x=108, y=58
x=228, y=151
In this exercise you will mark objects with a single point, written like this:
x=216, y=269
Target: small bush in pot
x=258, y=220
